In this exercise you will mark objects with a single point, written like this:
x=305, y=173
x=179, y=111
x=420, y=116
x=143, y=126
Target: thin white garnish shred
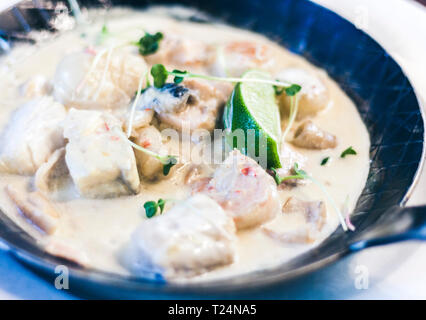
x=294, y=107
x=332, y=202
x=105, y=71
x=92, y=67
x=135, y=103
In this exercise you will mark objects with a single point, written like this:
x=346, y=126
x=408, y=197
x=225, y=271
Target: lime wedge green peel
x=252, y=105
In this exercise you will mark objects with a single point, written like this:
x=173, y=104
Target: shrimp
x=235, y=58
x=244, y=190
x=149, y=138
x=181, y=53
x=313, y=97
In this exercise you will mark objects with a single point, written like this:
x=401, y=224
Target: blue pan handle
x=397, y=224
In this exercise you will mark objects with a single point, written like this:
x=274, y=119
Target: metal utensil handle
x=398, y=224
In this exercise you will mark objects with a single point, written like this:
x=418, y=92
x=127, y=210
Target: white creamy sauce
x=99, y=228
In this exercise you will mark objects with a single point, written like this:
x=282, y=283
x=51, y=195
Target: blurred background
x=394, y=271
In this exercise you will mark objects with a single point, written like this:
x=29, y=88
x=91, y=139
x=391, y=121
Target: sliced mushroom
x=36, y=208
x=49, y=176
x=315, y=212
x=309, y=217
x=309, y=136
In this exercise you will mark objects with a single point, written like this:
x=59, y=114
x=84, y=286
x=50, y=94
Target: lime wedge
x=252, y=105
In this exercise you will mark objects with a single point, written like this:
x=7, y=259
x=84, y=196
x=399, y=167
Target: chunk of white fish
x=100, y=160
x=34, y=132
x=192, y=237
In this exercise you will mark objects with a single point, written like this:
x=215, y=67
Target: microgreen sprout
x=103, y=35
x=151, y=207
x=149, y=43
x=168, y=161
x=294, y=107
x=135, y=103
x=178, y=79
x=160, y=74
x=325, y=161
x=301, y=174
x=298, y=174
x=348, y=151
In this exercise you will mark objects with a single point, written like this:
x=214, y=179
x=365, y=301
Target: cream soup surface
x=96, y=230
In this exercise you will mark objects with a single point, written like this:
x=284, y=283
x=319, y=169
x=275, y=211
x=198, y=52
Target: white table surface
x=395, y=271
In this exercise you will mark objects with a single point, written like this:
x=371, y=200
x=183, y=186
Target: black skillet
x=381, y=91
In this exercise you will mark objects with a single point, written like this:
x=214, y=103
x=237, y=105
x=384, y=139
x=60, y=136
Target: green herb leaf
x=161, y=203
x=104, y=30
x=160, y=74
x=103, y=35
x=178, y=79
x=298, y=174
x=348, y=151
x=324, y=161
x=149, y=43
x=151, y=208
x=292, y=90
x=168, y=164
